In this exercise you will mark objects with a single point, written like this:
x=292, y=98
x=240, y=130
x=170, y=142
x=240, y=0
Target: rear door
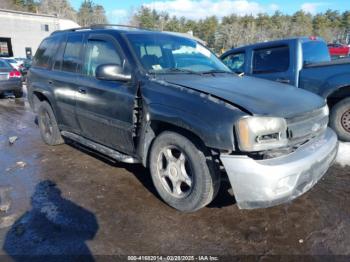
x=274, y=63
x=63, y=79
x=105, y=108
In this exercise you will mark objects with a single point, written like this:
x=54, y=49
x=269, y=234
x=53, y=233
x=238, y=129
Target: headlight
x=261, y=133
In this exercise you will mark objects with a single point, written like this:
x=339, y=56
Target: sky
x=119, y=10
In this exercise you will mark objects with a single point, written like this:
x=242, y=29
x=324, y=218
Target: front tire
x=49, y=130
x=340, y=119
x=183, y=172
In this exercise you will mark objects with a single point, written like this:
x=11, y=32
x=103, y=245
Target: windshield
x=315, y=52
x=164, y=53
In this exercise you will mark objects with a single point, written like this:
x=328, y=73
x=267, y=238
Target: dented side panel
x=210, y=118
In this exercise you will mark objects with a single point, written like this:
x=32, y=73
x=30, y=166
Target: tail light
x=313, y=38
x=15, y=74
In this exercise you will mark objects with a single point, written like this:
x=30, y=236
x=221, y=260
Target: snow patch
x=343, y=157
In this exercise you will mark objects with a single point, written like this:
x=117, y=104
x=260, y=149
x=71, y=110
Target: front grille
x=307, y=126
x=301, y=129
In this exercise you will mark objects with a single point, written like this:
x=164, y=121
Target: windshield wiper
x=176, y=70
x=214, y=71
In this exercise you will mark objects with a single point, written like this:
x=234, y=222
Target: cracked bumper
x=270, y=182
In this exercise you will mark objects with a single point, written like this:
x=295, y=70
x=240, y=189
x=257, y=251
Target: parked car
x=27, y=63
x=10, y=79
x=14, y=63
x=20, y=59
x=302, y=62
x=169, y=103
x=338, y=50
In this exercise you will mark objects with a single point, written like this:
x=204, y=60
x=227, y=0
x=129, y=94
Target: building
x=22, y=32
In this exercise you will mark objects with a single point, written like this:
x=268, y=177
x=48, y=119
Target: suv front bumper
x=265, y=183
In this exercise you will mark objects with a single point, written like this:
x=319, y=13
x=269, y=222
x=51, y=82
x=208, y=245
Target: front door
x=105, y=108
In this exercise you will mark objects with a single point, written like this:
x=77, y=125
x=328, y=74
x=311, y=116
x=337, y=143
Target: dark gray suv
x=169, y=103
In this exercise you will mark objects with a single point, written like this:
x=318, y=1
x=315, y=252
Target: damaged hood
x=258, y=96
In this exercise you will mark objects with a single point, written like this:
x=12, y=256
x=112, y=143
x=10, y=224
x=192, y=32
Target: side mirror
x=112, y=72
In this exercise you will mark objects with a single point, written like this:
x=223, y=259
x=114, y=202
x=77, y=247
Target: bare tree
x=61, y=8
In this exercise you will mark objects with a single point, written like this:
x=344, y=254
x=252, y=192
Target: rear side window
x=315, y=52
x=235, y=62
x=99, y=52
x=271, y=60
x=45, y=52
x=71, y=58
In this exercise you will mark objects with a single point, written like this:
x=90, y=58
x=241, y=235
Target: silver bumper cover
x=265, y=183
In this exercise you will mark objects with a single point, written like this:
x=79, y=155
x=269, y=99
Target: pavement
x=68, y=200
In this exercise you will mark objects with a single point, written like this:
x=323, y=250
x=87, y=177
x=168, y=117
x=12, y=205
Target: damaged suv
x=167, y=102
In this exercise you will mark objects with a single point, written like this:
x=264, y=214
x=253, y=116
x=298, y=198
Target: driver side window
x=99, y=52
x=235, y=62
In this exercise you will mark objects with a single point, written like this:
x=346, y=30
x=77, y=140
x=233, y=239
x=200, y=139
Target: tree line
x=232, y=31
x=88, y=13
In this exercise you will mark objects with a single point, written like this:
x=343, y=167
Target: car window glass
x=235, y=62
x=315, y=52
x=164, y=53
x=3, y=64
x=71, y=58
x=151, y=50
x=99, y=53
x=59, y=55
x=46, y=50
x=271, y=60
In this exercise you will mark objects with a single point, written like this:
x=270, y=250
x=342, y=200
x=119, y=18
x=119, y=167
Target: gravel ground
x=65, y=200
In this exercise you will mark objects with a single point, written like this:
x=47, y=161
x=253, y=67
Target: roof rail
x=119, y=25
x=100, y=26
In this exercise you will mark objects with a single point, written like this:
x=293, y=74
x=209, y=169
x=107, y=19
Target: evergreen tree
x=90, y=14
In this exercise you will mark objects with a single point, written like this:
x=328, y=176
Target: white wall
x=25, y=29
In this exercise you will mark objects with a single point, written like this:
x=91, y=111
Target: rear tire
x=49, y=130
x=340, y=119
x=183, y=172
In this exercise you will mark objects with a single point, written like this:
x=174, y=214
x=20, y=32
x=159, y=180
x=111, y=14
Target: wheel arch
x=155, y=127
x=39, y=96
x=337, y=95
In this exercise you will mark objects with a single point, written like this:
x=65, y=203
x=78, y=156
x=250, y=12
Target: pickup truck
x=168, y=102
x=338, y=50
x=304, y=63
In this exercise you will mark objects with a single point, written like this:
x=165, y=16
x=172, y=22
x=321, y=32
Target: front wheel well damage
x=154, y=128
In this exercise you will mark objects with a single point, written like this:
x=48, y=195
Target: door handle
x=50, y=82
x=283, y=80
x=82, y=91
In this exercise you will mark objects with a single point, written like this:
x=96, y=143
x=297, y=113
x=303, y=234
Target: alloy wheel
x=175, y=171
